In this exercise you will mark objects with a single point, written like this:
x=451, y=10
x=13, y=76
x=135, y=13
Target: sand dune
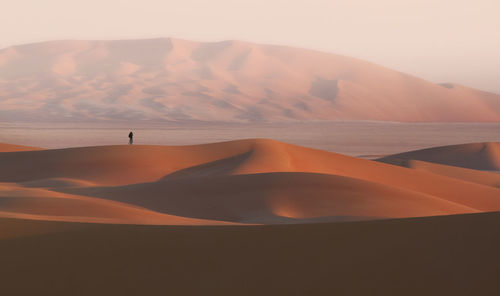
x=19, y=227
x=57, y=183
x=181, y=220
x=271, y=197
x=66, y=215
x=475, y=176
x=16, y=148
x=249, y=181
x=113, y=165
x=451, y=255
x=478, y=156
x=230, y=81
x=41, y=204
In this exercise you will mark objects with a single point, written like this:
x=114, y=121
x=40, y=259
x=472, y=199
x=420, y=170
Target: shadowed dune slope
x=169, y=165
x=56, y=183
x=42, y=204
x=271, y=197
x=478, y=156
x=24, y=227
x=448, y=255
x=470, y=175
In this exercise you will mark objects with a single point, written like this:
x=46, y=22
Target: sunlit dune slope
x=252, y=181
x=449, y=255
x=14, y=148
x=122, y=165
x=470, y=175
x=479, y=156
x=42, y=204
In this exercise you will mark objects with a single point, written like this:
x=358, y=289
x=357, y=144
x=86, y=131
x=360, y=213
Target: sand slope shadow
x=42, y=204
x=470, y=175
x=273, y=197
x=478, y=156
x=225, y=166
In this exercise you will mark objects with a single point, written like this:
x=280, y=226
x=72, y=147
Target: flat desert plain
x=248, y=217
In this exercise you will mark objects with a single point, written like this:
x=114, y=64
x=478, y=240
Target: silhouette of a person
x=131, y=138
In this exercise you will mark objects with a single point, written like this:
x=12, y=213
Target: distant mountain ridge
x=232, y=81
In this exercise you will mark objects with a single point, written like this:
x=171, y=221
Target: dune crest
x=257, y=181
x=478, y=156
x=231, y=81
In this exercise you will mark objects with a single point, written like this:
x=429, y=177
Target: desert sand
x=447, y=255
x=171, y=79
x=247, y=217
x=478, y=156
x=246, y=181
x=15, y=148
x=475, y=176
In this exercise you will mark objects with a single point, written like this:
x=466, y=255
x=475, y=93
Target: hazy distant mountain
x=171, y=79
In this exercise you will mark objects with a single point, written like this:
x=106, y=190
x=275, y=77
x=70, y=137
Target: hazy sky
x=439, y=40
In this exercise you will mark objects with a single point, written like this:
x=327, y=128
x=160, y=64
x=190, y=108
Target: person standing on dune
x=131, y=138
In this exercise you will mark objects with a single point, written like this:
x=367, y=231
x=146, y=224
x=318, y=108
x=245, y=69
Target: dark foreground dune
x=447, y=255
x=183, y=220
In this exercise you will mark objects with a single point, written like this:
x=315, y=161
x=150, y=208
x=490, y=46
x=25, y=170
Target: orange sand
x=247, y=181
x=66, y=215
x=478, y=156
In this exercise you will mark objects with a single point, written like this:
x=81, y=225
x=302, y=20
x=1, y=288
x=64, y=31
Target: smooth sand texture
x=230, y=81
x=478, y=156
x=449, y=255
x=43, y=204
x=16, y=148
x=475, y=176
x=246, y=181
x=148, y=220
x=262, y=198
